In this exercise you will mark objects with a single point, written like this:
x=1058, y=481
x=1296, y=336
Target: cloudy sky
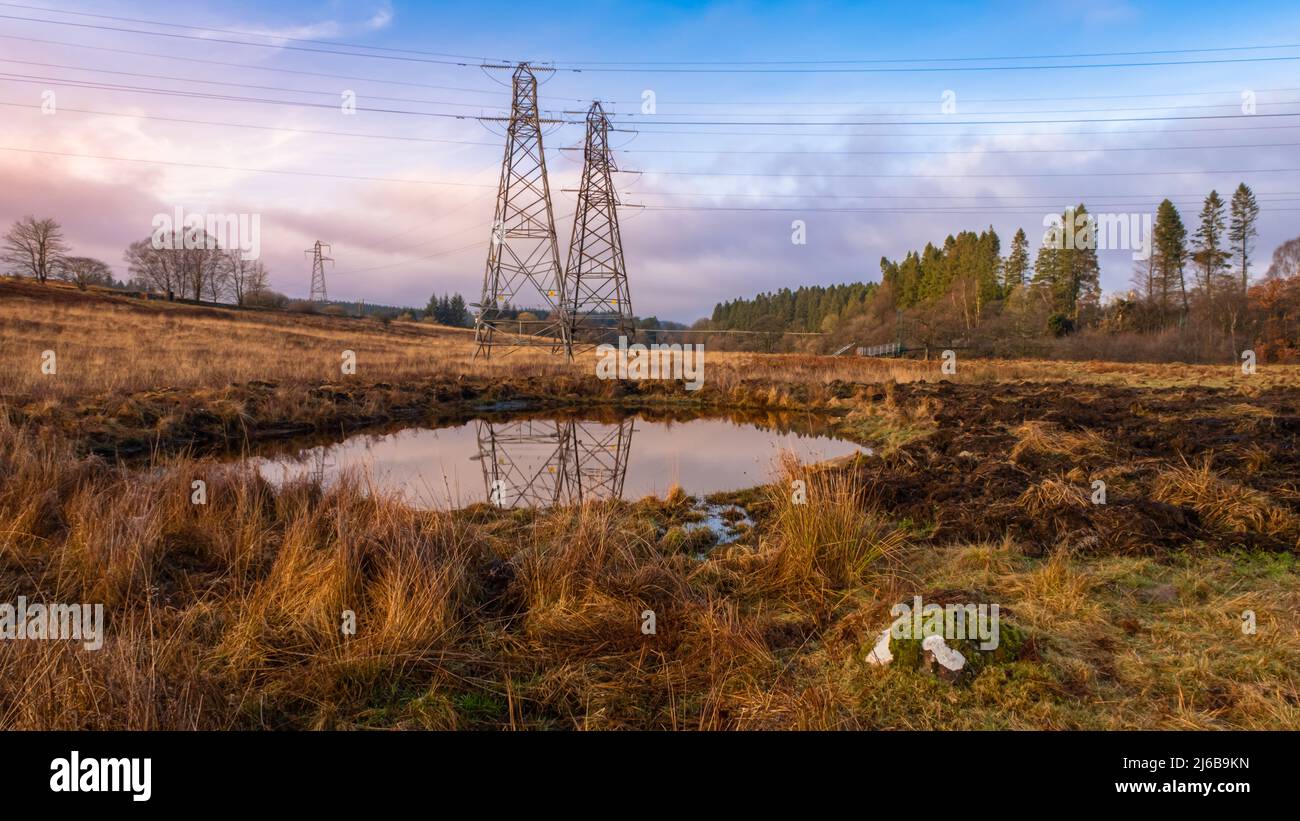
x=880, y=126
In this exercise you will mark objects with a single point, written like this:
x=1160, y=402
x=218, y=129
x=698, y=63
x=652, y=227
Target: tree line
x=1193, y=288
x=199, y=270
x=807, y=308
x=1194, y=293
x=447, y=310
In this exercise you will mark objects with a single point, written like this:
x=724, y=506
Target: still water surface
x=538, y=462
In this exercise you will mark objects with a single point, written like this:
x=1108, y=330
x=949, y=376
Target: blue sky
x=105, y=174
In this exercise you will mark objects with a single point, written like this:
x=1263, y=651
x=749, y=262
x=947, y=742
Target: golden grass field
x=109, y=344
x=226, y=615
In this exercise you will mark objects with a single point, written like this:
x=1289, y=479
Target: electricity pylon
x=600, y=304
x=523, y=260
x=318, y=261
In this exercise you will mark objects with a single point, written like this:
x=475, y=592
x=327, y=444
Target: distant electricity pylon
x=600, y=304
x=319, y=466
x=523, y=261
x=318, y=261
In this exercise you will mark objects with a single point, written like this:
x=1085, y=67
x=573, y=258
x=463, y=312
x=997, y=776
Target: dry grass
x=827, y=535
x=1123, y=642
x=1042, y=437
x=1222, y=502
x=1052, y=494
x=109, y=344
x=229, y=614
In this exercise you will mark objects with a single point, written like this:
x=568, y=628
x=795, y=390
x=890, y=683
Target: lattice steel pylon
x=600, y=304
x=523, y=260
x=318, y=261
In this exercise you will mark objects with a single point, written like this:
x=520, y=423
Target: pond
x=540, y=461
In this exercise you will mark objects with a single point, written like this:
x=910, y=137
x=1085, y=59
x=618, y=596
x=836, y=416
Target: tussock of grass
x=1051, y=495
x=1224, y=503
x=1043, y=437
x=833, y=538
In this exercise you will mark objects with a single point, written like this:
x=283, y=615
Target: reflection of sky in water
x=440, y=468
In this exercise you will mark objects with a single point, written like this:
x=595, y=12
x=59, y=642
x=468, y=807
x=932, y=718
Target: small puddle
x=540, y=462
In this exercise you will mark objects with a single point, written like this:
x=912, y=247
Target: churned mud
x=1182, y=468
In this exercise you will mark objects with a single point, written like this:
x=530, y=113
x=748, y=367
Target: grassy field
x=227, y=615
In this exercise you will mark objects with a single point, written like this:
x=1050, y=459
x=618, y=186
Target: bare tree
x=159, y=267
x=34, y=247
x=201, y=261
x=84, y=271
x=174, y=269
x=246, y=276
x=1286, y=260
x=217, y=280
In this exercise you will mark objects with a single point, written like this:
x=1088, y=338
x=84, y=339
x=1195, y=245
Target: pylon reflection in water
x=543, y=463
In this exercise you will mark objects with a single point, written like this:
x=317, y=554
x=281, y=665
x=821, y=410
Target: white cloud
x=381, y=18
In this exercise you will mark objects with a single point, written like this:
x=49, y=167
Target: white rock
x=945, y=655
x=880, y=653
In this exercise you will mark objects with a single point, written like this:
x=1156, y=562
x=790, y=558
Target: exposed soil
x=968, y=480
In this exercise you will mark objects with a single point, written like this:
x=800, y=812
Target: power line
x=166, y=92
x=334, y=93
x=484, y=185
x=795, y=209
x=945, y=59
x=579, y=68
x=928, y=70
x=641, y=130
x=215, y=167
x=233, y=98
x=999, y=112
x=241, y=33
x=986, y=196
x=384, y=81
x=326, y=75
x=930, y=113
x=728, y=150
x=459, y=207
x=405, y=138
x=971, y=151
x=954, y=121
x=175, y=35
x=969, y=176
x=127, y=115
x=330, y=93
x=661, y=173
x=435, y=255
x=589, y=63
x=930, y=101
